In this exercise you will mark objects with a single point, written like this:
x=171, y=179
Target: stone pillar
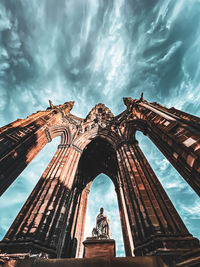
x=175, y=133
x=156, y=227
x=80, y=225
x=42, y=222
x=72, y=241
x=21, y=141
x=67, y=244
x=125, y=223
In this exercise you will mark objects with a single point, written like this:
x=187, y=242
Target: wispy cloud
x=193, y=210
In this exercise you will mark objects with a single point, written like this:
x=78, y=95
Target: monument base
x=140, y=261
x=99, y=248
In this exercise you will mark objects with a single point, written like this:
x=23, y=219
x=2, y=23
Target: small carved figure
x=102, y=226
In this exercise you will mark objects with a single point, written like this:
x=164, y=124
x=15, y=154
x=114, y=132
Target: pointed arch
x=110, y=136
x=59, y=130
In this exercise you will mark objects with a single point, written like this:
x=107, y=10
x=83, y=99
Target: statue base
x=99, y=248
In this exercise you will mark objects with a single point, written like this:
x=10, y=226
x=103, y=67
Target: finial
x=142, y=97
x=51, y=104
x=70, y=104
x=127, y=101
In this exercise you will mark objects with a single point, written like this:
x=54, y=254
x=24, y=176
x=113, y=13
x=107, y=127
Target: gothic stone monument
x=51, y=222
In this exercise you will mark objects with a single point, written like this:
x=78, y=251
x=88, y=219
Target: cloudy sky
x=92, y=51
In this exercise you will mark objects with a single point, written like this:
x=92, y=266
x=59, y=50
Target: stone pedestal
x=99, y=248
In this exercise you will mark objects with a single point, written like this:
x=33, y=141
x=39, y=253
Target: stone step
x=145, y=261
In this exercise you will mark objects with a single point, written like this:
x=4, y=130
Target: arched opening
x=181, y=194
x=102, y=194
x=14, y=198
x=99, y=158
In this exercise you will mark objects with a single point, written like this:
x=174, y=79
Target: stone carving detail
x=48, y=135
x=100, y=115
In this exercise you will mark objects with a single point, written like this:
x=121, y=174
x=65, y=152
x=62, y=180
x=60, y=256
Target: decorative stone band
x=63, y=146
x=77, y=148
x=48, y=136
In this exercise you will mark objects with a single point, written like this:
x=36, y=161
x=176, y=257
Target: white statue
x=102, y=226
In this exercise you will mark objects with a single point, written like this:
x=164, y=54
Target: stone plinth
x=99, y=248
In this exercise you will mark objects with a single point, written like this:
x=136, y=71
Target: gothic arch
x=84, y=139
x=23, y=139
x=59, y=130
x=98, y=156
x=175, y=133
x=104, y=186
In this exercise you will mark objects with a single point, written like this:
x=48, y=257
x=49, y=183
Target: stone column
x=67, y=246
x=40, y=225
x=80, y=225
x=175, y=133
x=21, y=141
x=125, y=223
x=156, y=227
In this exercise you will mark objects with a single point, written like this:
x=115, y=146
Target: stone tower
x=51, y=222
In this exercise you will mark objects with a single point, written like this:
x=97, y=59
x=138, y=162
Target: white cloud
x=192, y=210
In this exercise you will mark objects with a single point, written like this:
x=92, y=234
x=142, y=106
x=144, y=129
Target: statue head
x=101, y=210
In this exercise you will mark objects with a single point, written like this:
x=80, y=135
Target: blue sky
x=92, y=51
